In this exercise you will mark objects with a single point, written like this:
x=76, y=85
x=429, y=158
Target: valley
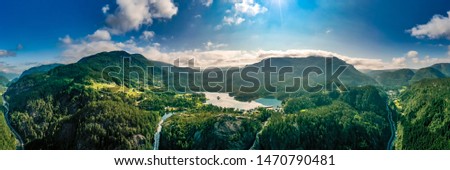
x=79, y=106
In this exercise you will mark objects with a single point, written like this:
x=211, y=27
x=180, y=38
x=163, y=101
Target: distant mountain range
x=350, y=77
x=3, y=81
x=404, y=77
x=9, y=76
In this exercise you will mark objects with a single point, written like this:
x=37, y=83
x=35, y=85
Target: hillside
x=9, y=76
x=7, y=140
x=350, y=120
x=73, y=107
x=443, y=68
x=394, y=78
x=350, y=77
x=330, y=120
x=427, y=73
x=39, y=69
x=79, y=106
x=209, y=131
x=404, y=77
x=425, y=116
x=3, y=81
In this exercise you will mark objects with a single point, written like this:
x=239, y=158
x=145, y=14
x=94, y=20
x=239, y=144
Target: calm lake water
x=229, y=102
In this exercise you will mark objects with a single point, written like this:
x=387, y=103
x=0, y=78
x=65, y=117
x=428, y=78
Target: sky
x=370, y=34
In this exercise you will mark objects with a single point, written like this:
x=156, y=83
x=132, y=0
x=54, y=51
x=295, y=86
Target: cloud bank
x=211, y=56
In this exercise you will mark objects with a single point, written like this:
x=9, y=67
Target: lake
x=229, y=102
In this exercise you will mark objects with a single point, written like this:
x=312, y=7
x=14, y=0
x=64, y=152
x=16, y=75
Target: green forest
x=425, y=116
x=7, y=140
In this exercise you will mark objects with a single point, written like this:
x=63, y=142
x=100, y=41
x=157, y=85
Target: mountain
x=39, y=69
x=427, y=73
x=356, y=120
x=425, y=119
x=443, y=68
x=9, y=76
x=7, y=140
x=393, y=78
x=404, y=77
x=101, y=103
x=4, y=81
x=77, y=106
x=350, y=77
x=209, y=131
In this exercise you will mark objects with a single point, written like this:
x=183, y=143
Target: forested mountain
x=404, y=77
x=210, y=131
x=9, y=76
x=331, y=120
x=427, y=73
x=443, y=68
x=394, y=78
x=350, y=77
x=72, y=107
x=425, y=115
x=7, y=140
x=3, y=81
x=351, y=120
x=39, y=69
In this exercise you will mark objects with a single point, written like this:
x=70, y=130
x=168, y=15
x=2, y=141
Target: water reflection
x=224, y=100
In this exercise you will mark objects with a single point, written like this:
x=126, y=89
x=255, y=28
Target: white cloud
x=7, y=53
x=211, y=57
x=211, y=46
x=105, y=9
x=233, y=20
x=400, y=62
x=437, y=27
x=412, y=54
x=132, y=14
x=241, y=10
x=3, y=53
x=412, y=57
x=207, y=3
x=66, y=40
x=147, y=35
x=76, y=51
x=218, y=27
x=7, y=68
x=12, y=52
x=163, y=8
x=249, y=7
x=100, y=35
x=328, y=31
x=427, y=61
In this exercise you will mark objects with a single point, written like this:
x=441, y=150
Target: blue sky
x=372, y=34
